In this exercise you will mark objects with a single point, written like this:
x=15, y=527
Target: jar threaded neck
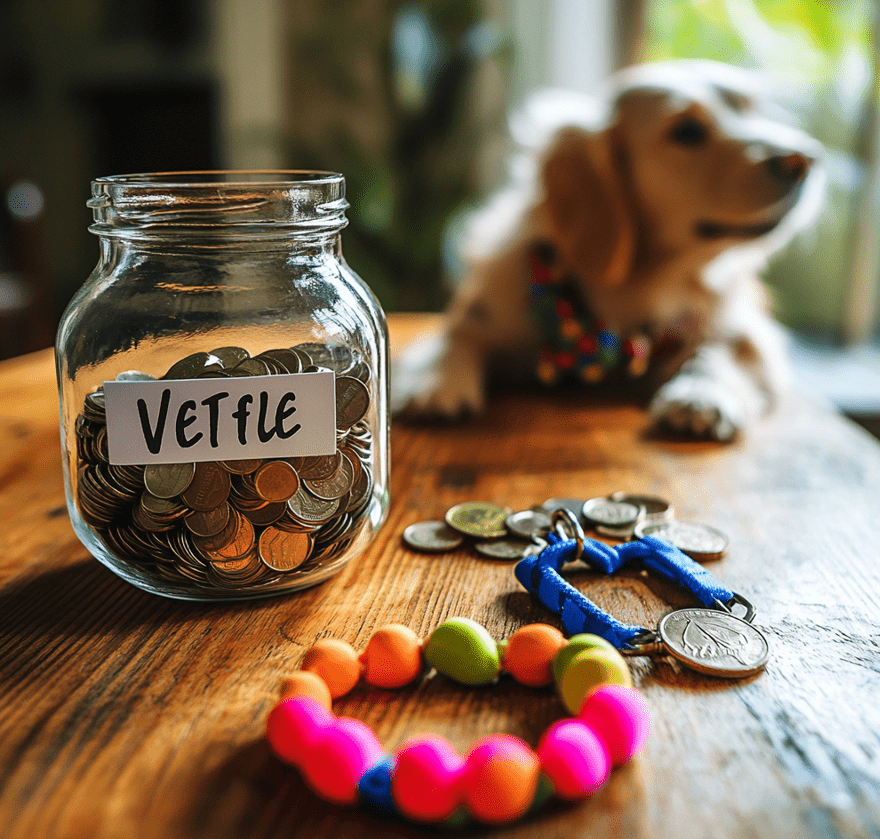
x=272, y=203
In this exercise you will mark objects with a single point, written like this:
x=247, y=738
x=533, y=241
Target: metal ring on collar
x=566, y=525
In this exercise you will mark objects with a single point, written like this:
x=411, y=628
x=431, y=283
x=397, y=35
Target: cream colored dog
x=660, y=212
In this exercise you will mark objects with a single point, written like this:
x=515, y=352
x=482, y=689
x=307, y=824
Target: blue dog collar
x=711, y=640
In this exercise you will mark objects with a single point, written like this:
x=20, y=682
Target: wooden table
x=124, y=714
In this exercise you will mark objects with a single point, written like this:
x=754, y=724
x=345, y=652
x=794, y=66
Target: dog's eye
x=689, y=132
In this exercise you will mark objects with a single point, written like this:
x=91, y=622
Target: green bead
x=463, y=650
x=459, y=819
x=543, y=793
x=577, y=644
x=586, y=671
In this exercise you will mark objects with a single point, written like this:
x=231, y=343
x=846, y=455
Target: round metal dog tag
x=713, y=642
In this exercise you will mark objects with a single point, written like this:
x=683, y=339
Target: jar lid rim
x=225, y=177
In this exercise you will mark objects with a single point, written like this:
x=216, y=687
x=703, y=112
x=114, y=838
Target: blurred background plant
x=405, y=99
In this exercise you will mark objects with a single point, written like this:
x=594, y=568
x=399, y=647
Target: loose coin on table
x=508, y=548
x=605, y=511
x=479, y=519
x=698, y=541
x=573, y=505
x=713, y=642
x=650, y=507
x=653, y=505
x=528, y=523
x=432, y=537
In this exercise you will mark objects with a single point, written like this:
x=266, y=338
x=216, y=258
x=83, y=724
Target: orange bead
x=336, y=662
x=393, y=656
x=530, y=651
x=307, y=683
x=500, y=778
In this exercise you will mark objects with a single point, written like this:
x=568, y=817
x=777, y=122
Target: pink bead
x=620, y=719
x=574, y=759
x=500, y=778
x=294, y=727
x=342, y=754
x=427, y=779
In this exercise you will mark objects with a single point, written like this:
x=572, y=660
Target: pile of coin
x=499, y=533
x=234, y=524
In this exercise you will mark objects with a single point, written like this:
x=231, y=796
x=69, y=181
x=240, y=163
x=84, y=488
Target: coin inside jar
x=167, y=480
x=201, y=524
x=209, y=487
x=282, y=550
x=208, y=522
x=276, y=481
x=352, y=401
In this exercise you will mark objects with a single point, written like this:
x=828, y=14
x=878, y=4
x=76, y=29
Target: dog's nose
x=790, y=168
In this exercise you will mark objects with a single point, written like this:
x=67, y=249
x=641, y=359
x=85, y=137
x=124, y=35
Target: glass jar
x=223, y=386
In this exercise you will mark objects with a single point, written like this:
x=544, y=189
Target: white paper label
x=191, y=420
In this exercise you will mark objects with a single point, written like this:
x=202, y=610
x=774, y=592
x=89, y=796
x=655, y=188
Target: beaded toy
x=575, y=343
x=501, y=778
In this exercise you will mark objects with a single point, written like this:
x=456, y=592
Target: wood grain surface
x=123, y=714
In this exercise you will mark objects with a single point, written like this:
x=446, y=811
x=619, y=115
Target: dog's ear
x=586, y=206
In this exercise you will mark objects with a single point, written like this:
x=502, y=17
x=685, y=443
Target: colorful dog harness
x=574, y=343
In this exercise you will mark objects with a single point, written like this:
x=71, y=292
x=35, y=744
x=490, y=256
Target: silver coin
x=252, y=367
x=622, y=534
x=318, y=354
x=432, y=537
x=528, y=523
x=713, y=642
x=507, y=548
x=574, y=505
x=606, y=512
x=288, y=359
x=161, y=507
x=191, y=366
x=134, y=376
x=230, y=356
x=336, y=485
x=166, y=480
x=360, y=492
x=304, y=507
x=698, y=541
x=654, y=506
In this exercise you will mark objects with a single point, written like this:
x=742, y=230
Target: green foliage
x=819, y=33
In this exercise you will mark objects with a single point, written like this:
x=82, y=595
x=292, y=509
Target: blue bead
x=608, y=339
x=374, y=788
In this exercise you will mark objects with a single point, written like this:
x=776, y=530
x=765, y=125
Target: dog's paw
x=432, y=380
x=446, y=400
x=698, y=407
